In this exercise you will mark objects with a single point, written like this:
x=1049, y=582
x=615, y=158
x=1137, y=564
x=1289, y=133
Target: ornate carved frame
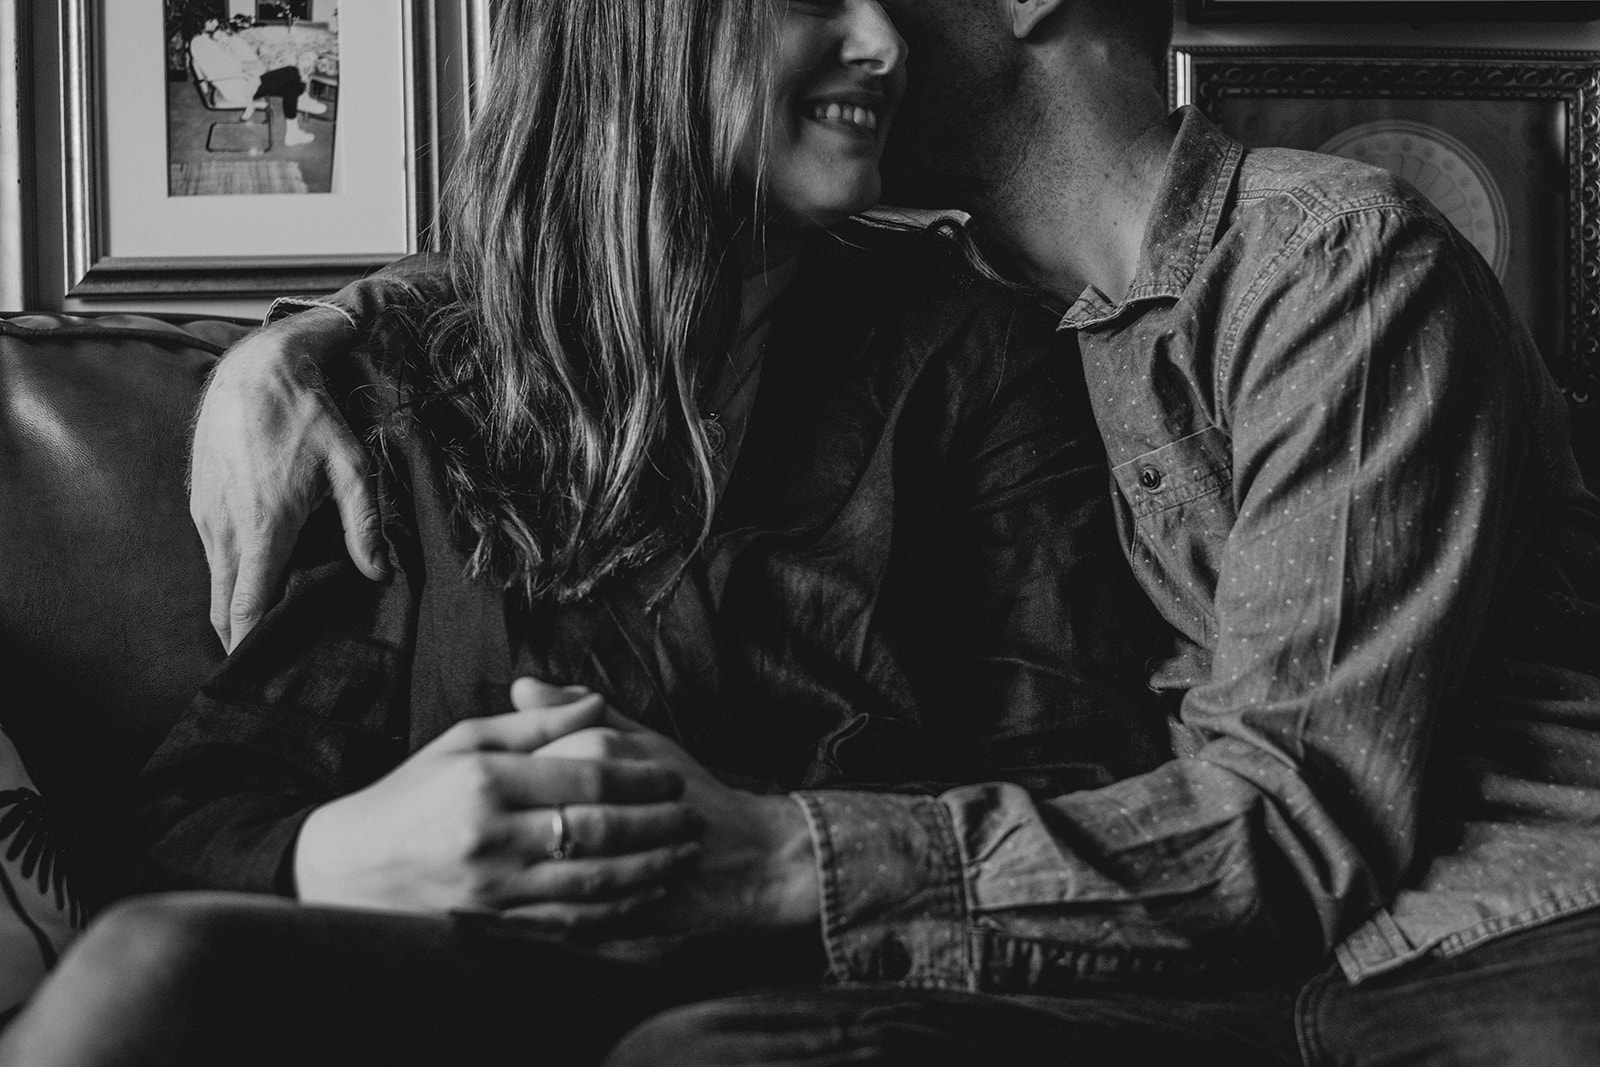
x=1205, y=75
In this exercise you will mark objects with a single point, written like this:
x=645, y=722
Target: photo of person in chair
x=240, y=79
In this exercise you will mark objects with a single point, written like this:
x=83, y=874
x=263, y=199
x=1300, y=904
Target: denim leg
x=1531, y=998
x=889, y=1025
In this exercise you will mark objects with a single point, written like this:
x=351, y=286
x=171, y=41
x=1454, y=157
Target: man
x=1344, y=478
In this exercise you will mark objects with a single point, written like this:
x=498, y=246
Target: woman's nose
x=871, y=41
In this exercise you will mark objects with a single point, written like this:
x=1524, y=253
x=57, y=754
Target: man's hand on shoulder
x=269, y=445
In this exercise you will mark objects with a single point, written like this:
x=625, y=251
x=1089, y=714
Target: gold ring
x=561, y=845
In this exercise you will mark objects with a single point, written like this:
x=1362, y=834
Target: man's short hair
x=1144, y=25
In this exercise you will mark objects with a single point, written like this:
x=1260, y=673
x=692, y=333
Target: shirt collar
x=1183, y=222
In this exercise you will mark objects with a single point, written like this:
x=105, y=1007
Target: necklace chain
x=711, y=421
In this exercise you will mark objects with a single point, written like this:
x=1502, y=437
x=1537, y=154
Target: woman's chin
x=821, y=205
x=819, y=216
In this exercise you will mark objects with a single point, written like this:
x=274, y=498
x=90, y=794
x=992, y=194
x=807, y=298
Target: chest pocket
x=1200, y=465
x=1176, y=510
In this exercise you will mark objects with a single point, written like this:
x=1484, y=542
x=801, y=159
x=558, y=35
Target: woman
x=240, y=78
x=814, y=510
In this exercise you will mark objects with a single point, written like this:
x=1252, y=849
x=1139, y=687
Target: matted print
x=240, y=146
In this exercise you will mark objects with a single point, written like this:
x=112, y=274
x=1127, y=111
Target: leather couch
x=104, y=633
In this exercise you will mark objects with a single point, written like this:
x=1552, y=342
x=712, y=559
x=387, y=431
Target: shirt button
x=894, y=962
x=1150, y=478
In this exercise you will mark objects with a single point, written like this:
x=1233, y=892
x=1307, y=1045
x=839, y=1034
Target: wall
x=12, y=212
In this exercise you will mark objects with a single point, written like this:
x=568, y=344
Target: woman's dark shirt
x=912, y=583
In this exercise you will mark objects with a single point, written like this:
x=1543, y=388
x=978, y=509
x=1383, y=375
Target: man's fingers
x=596, y=830
x=522, y=731
x=621, y=723
x=347, y=470
x=223, y=563
x=573, y=917
x=593, y=881
x=533, y=781
x=258, y=583
x=528, y=692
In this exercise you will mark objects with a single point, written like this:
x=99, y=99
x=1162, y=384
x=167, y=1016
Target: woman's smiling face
x=839, y=74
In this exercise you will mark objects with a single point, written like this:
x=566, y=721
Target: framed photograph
x=231, y=147
x=1506, y=145
x=15, y=184
x=1386, y=11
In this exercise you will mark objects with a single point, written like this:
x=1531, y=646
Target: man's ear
x=1027, y=14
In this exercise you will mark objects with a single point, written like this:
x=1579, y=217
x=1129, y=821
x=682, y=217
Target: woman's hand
x=757, y=866
x=269, y=444
x=470, y=822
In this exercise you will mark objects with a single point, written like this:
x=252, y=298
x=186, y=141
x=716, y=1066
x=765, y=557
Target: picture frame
x=124, y=236
x=16, y=205
x=1417, y=11
x=1506, y=144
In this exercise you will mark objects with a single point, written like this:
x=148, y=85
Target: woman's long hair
x=594, y=228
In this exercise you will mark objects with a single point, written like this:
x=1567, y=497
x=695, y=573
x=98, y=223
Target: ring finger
x=584, y=830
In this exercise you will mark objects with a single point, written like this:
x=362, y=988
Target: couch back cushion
x=104, y=635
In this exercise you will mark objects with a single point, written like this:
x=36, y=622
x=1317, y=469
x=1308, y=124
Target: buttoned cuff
x=894, y=906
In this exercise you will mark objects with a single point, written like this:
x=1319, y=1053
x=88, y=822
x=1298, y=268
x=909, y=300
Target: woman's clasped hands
x=565, y=813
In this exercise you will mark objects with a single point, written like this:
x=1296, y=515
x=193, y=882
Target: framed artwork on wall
x=287, y=147
x=1386, y=11
x=1505, y=144
x=15, y=205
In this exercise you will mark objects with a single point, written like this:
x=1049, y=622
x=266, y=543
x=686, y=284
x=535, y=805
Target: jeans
x=891, y=1026
x=1531, y=998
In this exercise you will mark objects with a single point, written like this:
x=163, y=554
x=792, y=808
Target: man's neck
x=1075, y=214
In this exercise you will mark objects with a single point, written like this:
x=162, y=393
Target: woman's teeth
x=866, y=118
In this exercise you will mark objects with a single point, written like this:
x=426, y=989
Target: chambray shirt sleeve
x=1364, y=385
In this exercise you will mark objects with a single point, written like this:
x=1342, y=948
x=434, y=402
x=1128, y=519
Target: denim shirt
x=1342, y=473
